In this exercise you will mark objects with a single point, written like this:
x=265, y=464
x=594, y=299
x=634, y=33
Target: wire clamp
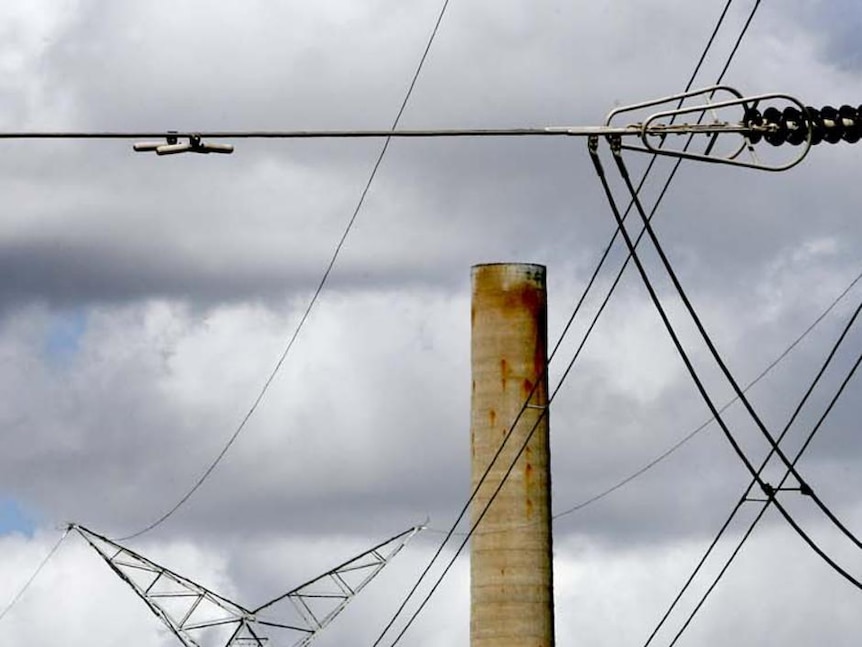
x=540, y=407
x=804, y=489
x=172, y=146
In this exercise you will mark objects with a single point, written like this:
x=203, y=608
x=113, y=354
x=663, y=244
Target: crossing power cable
x=751, y=527
x=699, y=384
x=650, y=166
x=506, y=438
x=646, y=174
x=765, y=505
x=387, y=135
x=705, y=424
x=731, y=379
x=659, y=199
x=313, y=301
x=34, y=575
x=829, y=358
x=696, y=378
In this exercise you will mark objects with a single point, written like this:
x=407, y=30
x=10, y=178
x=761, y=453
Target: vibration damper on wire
x=172, y=145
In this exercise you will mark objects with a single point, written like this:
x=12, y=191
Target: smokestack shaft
x=511, y=555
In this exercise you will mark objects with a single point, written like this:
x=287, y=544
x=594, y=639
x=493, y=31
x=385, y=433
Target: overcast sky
x=145, y=301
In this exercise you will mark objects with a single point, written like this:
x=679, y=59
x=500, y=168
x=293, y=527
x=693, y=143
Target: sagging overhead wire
x=645, y=175
x=694, y=432
x=768, y=489
x=34, y=575
x=315, y=296
x=595, y=498
x=197, y=145
x=707, y=339
x=705, y=424
x=745, y=496
x=766, y=503
x=577, y=308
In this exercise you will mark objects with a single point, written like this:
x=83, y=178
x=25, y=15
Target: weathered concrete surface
x=511, y=557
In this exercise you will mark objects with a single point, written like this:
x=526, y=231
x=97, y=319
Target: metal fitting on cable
x=172, y=146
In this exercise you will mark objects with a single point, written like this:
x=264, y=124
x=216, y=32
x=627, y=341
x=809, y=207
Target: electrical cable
x=760, y=514
x=714, y=351
x=763, y=464
x=738, y=42
x=653, y=211
x=705, y=424
x=648, y=170
x=677, y=162
x=33, y=577
x=328, y=270
x=662, y=314
x=315, y=296
x=641, y=183
x=499, y=486
x=716, y=356
x=665, y=188
x=699, y=384
x=506, y=438
x=690, y=435
x=696, y=378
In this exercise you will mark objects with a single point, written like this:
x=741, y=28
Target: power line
x=660, y=309
x=714, y=351
x=696, y=378
x=634, y=130
x=763, y=464
x=35, y=574
x=508, y=435
x=705, y=424
x=315, y=296
x=694, y=432
x=693, y=373
x=766, y=504
x=647, y=172
x=658, y=201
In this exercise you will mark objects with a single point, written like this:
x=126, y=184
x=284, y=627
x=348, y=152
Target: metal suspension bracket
x=713, y=121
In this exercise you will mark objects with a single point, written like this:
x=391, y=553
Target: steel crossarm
x=199, y=617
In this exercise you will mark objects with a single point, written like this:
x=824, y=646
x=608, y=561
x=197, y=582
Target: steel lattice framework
x=199, y=617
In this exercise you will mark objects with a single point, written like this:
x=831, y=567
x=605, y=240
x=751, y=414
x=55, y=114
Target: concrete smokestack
x=511, y=573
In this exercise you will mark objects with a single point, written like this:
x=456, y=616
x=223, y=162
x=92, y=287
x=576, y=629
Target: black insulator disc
x=815, y=124
x=752, y=117
x=832, y=128
x=850, y=123
x=773, y=117
x=794, y=124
